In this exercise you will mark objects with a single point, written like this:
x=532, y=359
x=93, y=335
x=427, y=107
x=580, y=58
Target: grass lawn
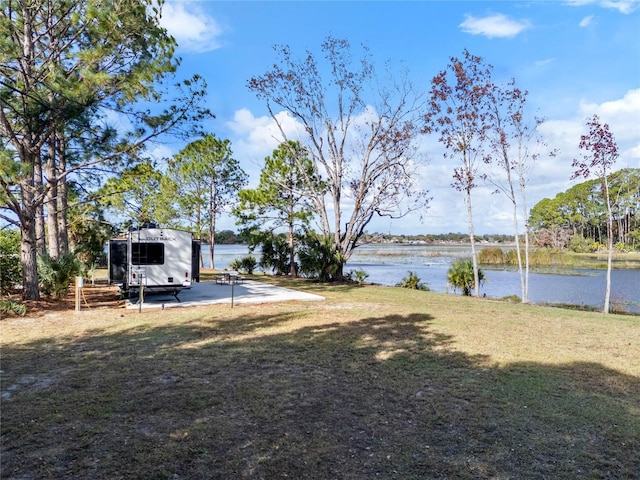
x=374, y=382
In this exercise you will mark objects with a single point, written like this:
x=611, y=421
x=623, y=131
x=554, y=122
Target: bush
x=11, y=307
x=10, y=265
x=579, y=244
x=246, y=264
x=511, y=299
x=460, y=275
x=412, y=281
x=320, y=259
x=56, y=274
x=621, y=247
x=275, y=253
x=359, y=276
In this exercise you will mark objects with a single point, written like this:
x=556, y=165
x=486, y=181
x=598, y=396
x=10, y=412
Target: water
x=389, y=264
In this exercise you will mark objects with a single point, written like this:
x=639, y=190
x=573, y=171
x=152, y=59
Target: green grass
x=374, y=382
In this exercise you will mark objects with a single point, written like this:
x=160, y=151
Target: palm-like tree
x=460, y=275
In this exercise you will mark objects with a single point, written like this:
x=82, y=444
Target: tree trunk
x=63, y=201
x=28, y=248
x=293, y=271
x=474, y=256
x=63, y=227
x=607, y=292
x=51, y=201
x=525, y=214
x=212, y=221
x=212, y=242
x=40, y=233
x=518, y=253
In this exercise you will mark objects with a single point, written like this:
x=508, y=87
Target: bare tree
x=459, y=112
x=360, y=135
x=514, y=145
x=601, y=152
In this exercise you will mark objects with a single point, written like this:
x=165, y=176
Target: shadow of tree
x=384, y=397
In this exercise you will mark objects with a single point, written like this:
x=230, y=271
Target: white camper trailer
x=158, y=259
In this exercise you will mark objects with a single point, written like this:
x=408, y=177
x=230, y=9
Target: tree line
x=82, y=102
x=577, y=218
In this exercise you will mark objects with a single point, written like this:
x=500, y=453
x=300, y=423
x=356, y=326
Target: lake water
x=389, y=264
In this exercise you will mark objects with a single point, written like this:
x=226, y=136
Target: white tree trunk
x=607, y=292
x=474, y=256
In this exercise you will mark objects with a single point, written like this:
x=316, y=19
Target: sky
x=576, y=58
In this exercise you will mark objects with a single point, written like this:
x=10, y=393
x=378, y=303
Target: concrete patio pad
x=209, y=293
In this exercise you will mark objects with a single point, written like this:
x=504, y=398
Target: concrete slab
x=209, y=293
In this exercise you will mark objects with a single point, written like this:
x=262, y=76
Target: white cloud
x=262, y=133
x=193, y=29
x=255, y=138
x=160, y=152
x=623, y=6
x=623, y=118
x=552, y=175
x=546, y=61
x=586, y=21
x=494, y=26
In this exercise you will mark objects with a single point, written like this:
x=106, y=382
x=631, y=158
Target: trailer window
x=147, y=253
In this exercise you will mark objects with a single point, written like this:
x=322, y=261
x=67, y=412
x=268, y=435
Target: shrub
x=511, y=299
x=460, y=275
x=320, y=259
x=56, y=274
x=274, y=253
x=248, y=264
x=412, y=281
x=11, y=307
x=10, y=265
x=579, y=244
x=622, y=247
x=359, y=276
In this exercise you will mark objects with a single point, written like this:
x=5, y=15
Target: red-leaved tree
x=460, y=112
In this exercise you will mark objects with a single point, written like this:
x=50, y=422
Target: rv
x=155, y=260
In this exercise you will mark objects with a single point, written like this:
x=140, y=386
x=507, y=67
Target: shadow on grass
x=383, y=397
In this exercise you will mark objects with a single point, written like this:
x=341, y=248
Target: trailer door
x=117, y=261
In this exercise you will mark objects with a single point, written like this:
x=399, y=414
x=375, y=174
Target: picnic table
x=229, y=278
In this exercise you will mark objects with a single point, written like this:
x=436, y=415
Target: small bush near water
x=359, y=276
x=460, y=275
x=246, y=264
x=413, y=281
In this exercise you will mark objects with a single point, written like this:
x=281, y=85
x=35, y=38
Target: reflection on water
x=388, y=264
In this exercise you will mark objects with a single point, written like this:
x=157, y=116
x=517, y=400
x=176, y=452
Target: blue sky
x=576, y=58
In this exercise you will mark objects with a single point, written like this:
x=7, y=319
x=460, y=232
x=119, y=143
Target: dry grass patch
x=374, y=382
